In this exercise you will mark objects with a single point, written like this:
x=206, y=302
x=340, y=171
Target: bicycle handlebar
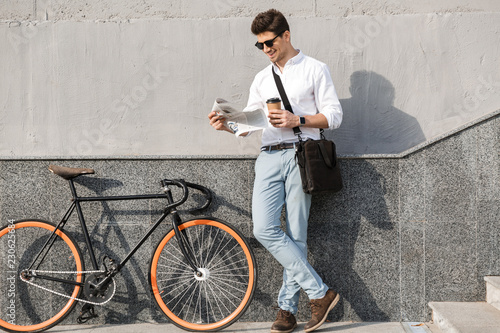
x=184, y=185
x=179, y=183
x=206, y=192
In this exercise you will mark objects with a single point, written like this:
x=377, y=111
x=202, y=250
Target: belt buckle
x=281, y=146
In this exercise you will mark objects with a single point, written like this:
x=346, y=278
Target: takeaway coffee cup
x=273, y=103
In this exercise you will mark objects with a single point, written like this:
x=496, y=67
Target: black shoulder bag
x=317, y=159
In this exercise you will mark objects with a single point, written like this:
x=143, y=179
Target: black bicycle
x=202, y=273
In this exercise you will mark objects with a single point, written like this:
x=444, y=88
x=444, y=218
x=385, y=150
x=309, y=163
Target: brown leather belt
x=283, y=145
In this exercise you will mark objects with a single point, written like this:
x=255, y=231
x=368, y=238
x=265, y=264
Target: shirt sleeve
x=326, y=98
x=254, y=98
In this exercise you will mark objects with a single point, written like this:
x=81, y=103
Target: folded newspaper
x=240, y=122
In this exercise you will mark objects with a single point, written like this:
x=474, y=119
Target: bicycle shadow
x=107, y=234
x=222, y=202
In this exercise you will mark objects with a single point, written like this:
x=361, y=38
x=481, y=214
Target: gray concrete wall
x=404, y=231
x=93, y=78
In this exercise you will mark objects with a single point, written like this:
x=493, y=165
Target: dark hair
x=272, y=20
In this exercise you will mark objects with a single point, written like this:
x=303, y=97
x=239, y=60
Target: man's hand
x=218, y=122
x=283, y=119
x=286, y=119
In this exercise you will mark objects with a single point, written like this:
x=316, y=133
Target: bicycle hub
x=202, y=274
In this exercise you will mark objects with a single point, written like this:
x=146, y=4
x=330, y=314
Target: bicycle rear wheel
x=25, y=307
x=222, y=294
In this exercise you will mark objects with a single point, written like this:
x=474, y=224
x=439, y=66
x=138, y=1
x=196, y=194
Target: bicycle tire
x=36, y=309
x=222, y=295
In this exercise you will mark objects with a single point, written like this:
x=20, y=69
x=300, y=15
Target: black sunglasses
x=269, y=43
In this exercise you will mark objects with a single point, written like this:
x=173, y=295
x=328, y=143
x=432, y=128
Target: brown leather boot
x=320, y=309
x=285, y=322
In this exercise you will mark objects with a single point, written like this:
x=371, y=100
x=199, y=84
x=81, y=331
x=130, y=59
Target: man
x=315, y=104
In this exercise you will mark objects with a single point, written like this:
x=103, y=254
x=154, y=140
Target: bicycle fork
x=182, y=240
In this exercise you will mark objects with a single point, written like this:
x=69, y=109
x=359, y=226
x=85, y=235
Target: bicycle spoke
x=225, y=259
x=217, y=254
x=179, y=285
x=190, y=300
x=209, y=250
x=198, y=304
x=229, y=285
x=216, y=302
x=224, y=270
x=216, y=251
x=198, y=260
x=216, y=295
x=178, y=270
x=179, y=260
x=181, y=296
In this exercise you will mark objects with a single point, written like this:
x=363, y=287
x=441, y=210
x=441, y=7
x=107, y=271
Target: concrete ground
x=344, y=327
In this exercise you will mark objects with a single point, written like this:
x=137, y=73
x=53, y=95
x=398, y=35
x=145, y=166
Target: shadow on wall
x=111, y=239
x=351, y=242
x=371, y=124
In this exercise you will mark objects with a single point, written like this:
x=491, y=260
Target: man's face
x=275, y=52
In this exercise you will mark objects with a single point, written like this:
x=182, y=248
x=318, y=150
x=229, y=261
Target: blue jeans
x=278, y=183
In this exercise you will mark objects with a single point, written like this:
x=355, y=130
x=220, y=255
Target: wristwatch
x=302, y=121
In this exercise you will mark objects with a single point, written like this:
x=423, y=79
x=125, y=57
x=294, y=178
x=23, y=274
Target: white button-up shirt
x=309, y=87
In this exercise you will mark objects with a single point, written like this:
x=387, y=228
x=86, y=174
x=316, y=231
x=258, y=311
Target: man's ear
x=287, y=36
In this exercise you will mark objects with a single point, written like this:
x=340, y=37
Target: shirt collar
x=294, y=60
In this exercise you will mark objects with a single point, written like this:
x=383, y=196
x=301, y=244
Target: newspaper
x=240, y=122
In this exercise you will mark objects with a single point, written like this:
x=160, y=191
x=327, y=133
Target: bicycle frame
x=76, y=205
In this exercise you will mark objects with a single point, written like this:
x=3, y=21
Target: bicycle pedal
x=87, y=313
x=109, y=264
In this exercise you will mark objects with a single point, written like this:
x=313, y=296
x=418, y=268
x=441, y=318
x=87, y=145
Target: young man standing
x=310, y=90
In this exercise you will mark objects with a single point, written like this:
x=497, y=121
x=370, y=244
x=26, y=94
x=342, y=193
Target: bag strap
x=284, y=98
x=326, y=158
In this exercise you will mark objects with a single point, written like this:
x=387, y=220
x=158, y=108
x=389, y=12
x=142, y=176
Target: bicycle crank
x=97, y=293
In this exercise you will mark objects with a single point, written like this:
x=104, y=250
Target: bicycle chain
x=70, y=297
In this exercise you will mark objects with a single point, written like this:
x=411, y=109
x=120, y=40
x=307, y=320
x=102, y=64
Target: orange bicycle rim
x=63, y=311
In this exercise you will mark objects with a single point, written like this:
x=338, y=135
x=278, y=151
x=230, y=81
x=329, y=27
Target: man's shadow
x=348, y=233
x=351, y=234
x=371, y=123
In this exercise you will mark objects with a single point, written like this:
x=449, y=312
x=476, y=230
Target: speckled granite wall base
x=404, y=231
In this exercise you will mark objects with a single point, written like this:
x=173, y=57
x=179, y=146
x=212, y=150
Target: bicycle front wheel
x=220, y=295
x=35, y=300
